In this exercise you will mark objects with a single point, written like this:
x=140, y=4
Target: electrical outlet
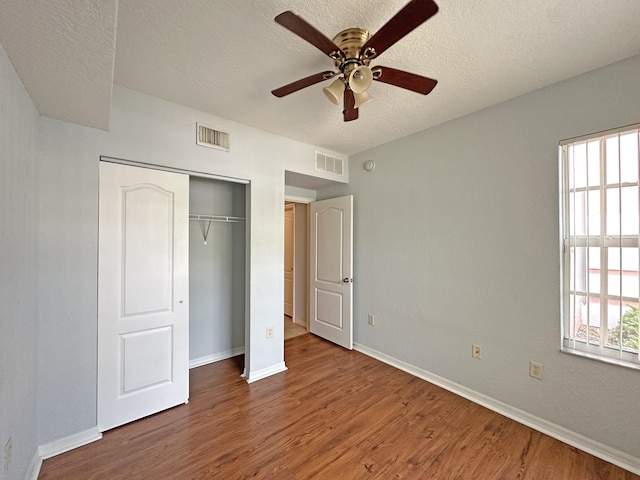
x=8, y=450
x=475, y=352
x=535, y=370
x=269, y=332
x=371, y=320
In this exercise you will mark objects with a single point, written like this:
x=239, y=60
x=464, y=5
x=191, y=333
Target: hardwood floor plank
x=334, y=414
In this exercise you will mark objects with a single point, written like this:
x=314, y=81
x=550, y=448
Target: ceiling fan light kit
x=360, y=79
x=334, y=91
x=352, y=51
x=362, y=98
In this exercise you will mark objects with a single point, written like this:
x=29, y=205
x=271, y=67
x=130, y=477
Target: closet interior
x=217, y=237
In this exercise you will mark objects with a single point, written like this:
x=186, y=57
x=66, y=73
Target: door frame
x=290, y=206
x=301, y=295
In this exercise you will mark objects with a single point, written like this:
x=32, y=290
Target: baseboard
x=616, y=457
x=34, y=467
x=302, y=323
x=265, y=372
x=216, y=357
x=69, y=443
x=57, y=447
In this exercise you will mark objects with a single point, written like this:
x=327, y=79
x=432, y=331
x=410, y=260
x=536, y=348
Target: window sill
x=601, y=358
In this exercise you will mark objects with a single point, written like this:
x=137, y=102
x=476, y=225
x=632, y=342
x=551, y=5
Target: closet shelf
x=215, y=218
x=209, y=219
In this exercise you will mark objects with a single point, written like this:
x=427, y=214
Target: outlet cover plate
x=535, y=370
x=476, y=352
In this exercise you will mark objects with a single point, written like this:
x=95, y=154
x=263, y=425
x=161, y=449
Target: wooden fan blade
x=308, y=32
x=302, y=83
x=411, y=16
x=402, y=79
x=350, y=111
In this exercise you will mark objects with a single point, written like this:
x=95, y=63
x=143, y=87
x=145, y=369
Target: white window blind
x=600, y=248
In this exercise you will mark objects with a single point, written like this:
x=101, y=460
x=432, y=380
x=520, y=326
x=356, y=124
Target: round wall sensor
x=369, y=165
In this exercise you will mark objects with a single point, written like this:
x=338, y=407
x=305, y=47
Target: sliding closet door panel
x=143, y=287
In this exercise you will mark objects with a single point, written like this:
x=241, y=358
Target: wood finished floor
x=334, y=414
x=292, y=329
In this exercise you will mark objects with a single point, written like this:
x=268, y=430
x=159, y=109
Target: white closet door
x=143, y=287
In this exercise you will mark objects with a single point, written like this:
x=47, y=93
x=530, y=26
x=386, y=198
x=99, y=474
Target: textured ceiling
x=63, y=51
x=224, y=57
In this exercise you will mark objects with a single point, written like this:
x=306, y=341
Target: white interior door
x=288, y=260
x=143, y=287
x=331, y=262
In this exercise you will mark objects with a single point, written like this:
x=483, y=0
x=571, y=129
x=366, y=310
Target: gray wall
x=67, y=294
x=216, y=270
x=19, y=238
x=457, y=242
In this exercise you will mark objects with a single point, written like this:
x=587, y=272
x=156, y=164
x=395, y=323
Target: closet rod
x=215, y=218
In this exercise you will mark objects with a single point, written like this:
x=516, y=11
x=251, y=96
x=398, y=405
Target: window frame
x=603, y=240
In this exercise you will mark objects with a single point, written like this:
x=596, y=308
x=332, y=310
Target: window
x=600, y=249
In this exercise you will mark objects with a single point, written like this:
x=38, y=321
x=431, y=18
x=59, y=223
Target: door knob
x=347, y=280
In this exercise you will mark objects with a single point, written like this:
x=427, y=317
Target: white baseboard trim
x=216, y=357
x=34, y=467
x=302, y=323
x=621, y=459
x=69, y=443
x=265, y=372
x=57, y=447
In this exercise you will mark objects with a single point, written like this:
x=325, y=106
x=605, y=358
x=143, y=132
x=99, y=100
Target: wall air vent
x=327, y=163
x=210, y=137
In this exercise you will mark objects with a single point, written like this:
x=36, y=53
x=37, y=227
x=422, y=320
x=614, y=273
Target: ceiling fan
x=352, y=51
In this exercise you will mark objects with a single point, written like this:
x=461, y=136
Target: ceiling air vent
x=327, y=163
x=210, y=137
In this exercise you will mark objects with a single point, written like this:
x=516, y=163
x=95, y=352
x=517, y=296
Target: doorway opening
x=328, y=281
x=296, y=262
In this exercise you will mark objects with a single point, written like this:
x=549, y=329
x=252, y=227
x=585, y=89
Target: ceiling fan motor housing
x=350, y=41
